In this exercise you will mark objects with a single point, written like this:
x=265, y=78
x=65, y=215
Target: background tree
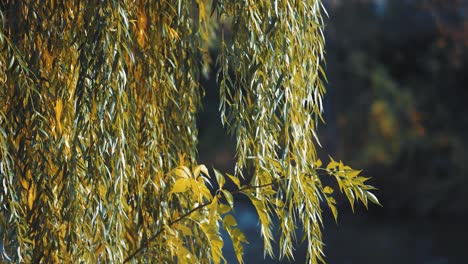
x=98, y=129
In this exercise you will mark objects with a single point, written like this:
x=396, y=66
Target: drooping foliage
x=98, y=128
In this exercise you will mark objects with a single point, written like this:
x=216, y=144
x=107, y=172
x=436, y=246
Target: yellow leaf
x=237, y=238
x=234, y=179
x=350, y=195
x=228, y=197
x=318, y=163
x=229, y=221
x=31, y=195
x=182, y=172
x=219, y=178
x=102, y=190
x=180, y=186
x=58, y=114
x=183, y=229
x=236, y=235
x=327, y=190
x=265, y=221
x=331, y=204
x=181, y=158
x=200, y=168
x=29, y=175
x=213, y=210
x=353, y=174
x=214, y=239
x=24, y=182
x=332, y=165
x=204, y=191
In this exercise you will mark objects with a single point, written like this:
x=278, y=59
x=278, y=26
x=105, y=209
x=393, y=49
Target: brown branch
x=153, y=237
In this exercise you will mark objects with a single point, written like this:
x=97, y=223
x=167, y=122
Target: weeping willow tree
x=98, y=104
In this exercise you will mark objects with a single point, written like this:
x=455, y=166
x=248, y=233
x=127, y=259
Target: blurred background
x=397, y=108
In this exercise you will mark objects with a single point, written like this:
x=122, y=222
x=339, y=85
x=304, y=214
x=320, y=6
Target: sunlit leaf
x=372, y=198
x=215, y=241
x=220, y=178
x=234, y=179
x=236, y=235
x=327, y=190
x=200, y=168
x=181, y=185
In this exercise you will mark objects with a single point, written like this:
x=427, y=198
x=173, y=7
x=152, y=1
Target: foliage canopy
x=98, y=128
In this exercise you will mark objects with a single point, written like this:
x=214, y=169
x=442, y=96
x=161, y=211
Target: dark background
x=396, y=107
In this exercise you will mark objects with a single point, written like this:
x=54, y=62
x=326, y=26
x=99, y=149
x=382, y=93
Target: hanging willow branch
x=98, y=135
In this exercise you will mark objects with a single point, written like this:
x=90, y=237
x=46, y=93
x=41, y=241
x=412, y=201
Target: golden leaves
x=141, y=28
x=58, y=115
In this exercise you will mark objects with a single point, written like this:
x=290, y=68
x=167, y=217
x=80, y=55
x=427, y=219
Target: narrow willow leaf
x=264, y=220
x=200, y=168
x=229, y=198
x=31, y=195
x=184, y=229
x=353, y=173
x=182, y=172
x=234, y=179
x=372, y=198
x=350, y=196
x=220, y=178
